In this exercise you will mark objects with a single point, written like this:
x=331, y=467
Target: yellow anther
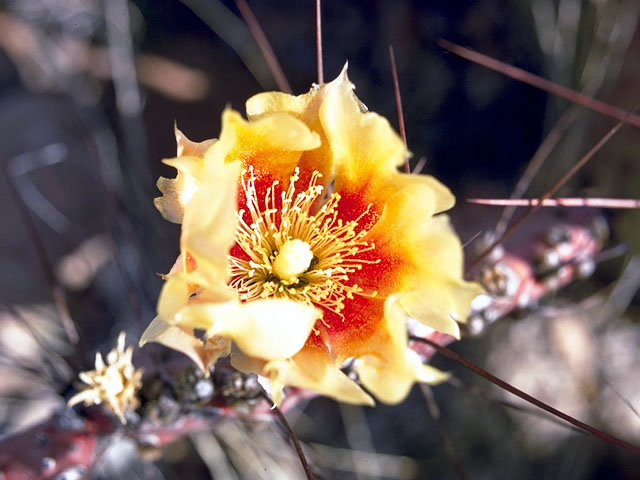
x=293, y=253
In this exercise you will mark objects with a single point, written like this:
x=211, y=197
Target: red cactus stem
x=519, y=393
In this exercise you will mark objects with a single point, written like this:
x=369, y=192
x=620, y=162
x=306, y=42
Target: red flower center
x=287, y=247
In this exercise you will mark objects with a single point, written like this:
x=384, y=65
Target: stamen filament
x=328, y=248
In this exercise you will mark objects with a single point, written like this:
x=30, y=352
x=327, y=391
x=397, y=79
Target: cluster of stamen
x=294, y=253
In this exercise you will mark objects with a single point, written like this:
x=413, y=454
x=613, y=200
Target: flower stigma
x=286, y=249
x=293, y=259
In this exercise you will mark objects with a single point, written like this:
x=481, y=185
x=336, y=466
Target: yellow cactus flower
x=114, y=383
x=304, y=246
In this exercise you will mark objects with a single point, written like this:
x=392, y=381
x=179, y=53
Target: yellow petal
x=176, y=192
x=245, y=363
x=440, y=305
x=154, y=330
x=313, y=370
x=438, y=246
x=267, y=103
x=432, y=307
x=427, y=373
x=267, y=328
x=203, y=354
x=430, y=276
x=188, y=147
x=174, y=295
x=209, y=224
x=170, y=204
x=420, y=195
x=391, y=371
x=272, y=144
x=278, y=131
x=365, y=147
x=306, y=108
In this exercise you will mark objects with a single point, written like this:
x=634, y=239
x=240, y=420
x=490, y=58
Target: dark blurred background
x=89, y=93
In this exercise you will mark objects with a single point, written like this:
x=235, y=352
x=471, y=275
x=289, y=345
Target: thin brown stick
x=57, y=292
x=457, y=383
x=536, y=162
x=292, y=435
x=552, y=191
x=265, y=46
x=472, y=239
x=396, y=89
x=613, y=252
x=56, y=374
x=558, y=202
x=417, y=168
x=124, y=273
x=541, y=83
x=624, y=399
x=519, y=393
x=114, y=204
x=319, y=42
x=583, y=161
x=434, y=411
